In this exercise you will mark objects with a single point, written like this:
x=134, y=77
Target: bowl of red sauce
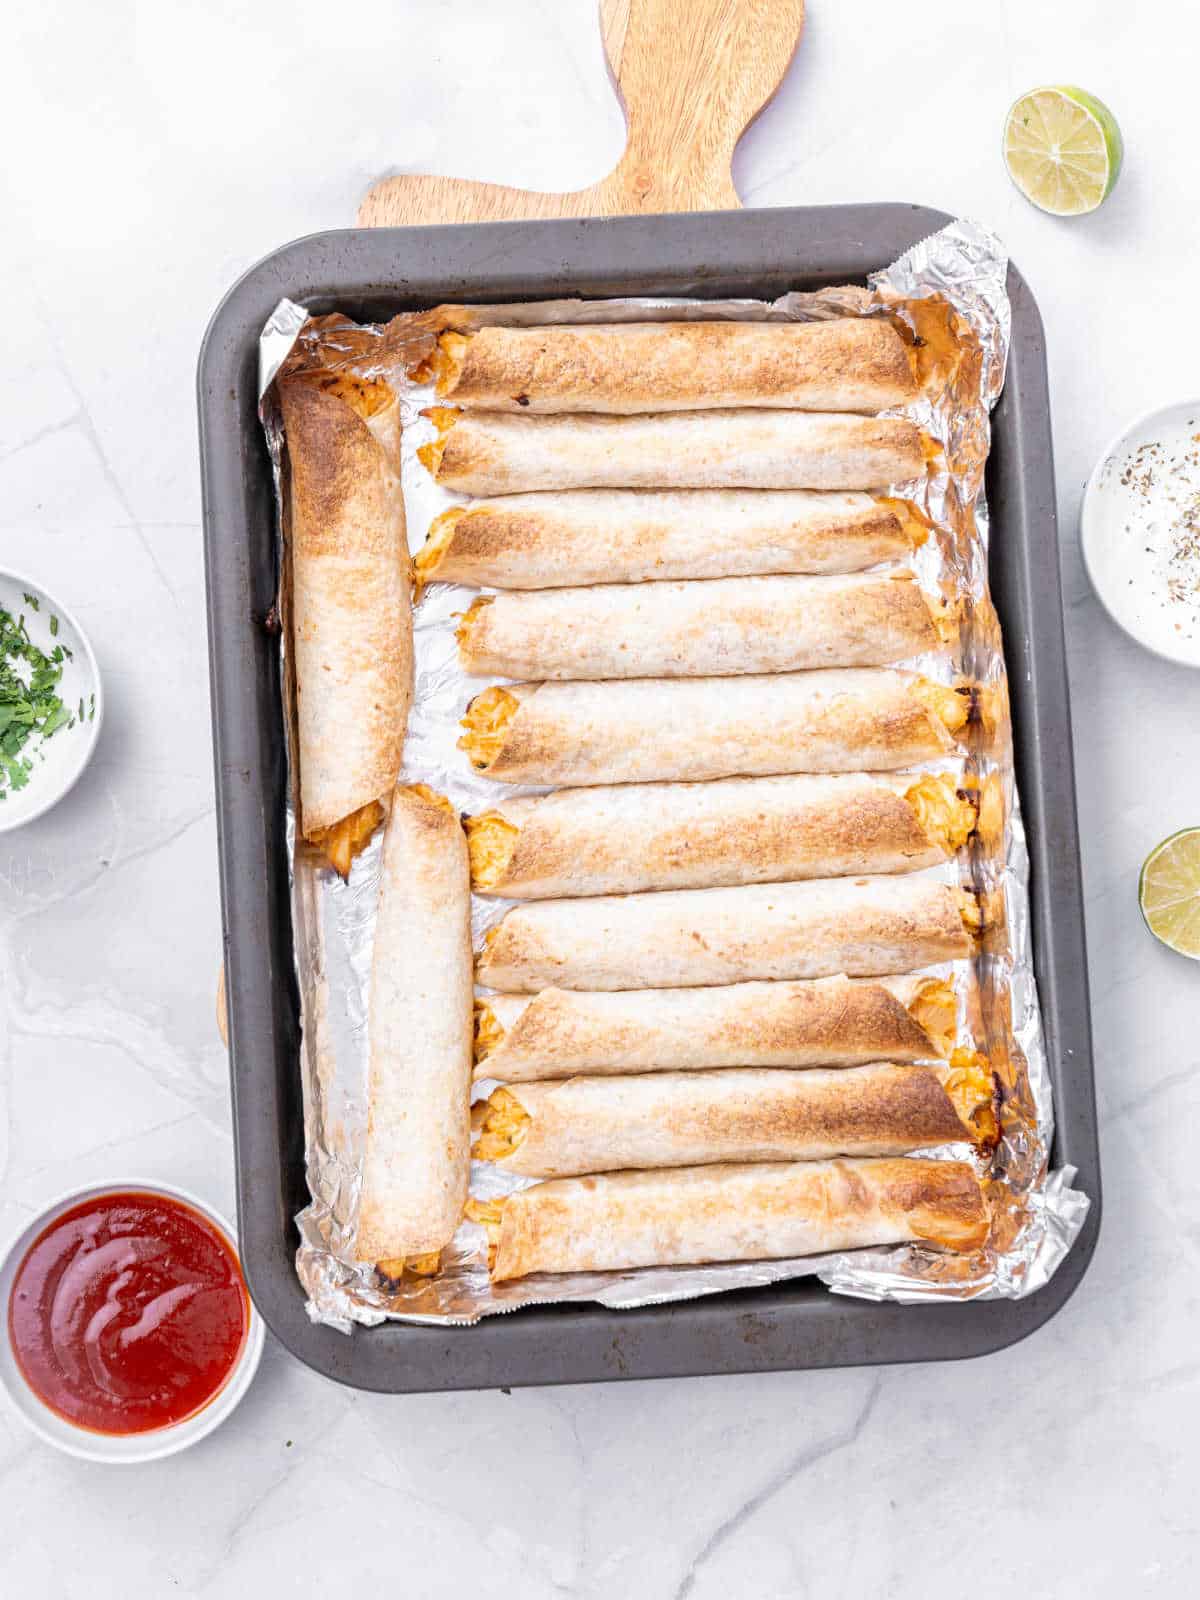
x=128, y=1330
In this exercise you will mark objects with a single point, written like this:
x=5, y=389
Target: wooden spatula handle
x=692, y=75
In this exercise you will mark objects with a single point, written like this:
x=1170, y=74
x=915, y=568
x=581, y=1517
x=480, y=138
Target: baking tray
x=372, y=275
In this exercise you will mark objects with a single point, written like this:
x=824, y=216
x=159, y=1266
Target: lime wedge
x=1169, y=892
x=1063, y=149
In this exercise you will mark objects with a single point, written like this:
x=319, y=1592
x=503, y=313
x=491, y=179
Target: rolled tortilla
x=688, y=1119
x=689, y=938
x=851, y=364
x=703, y=835
x=351, y=604
x=823, y=1022
x=552, y=541
x=759, y=1212
x=652, y=729
x=724, y=627
x=486, y=452
x=417, y=1158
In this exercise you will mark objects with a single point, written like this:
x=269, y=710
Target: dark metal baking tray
x=372, y=275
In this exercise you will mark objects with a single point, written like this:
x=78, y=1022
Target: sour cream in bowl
x=1140, y=531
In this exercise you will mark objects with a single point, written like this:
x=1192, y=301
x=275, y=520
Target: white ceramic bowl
x=58, y=762
x=120, y=1448
x=1129, y=531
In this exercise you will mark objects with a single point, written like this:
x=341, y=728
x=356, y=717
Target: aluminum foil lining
x=950, y=289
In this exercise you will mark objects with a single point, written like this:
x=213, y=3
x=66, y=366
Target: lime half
x=1169, y=892
x=1063, y=149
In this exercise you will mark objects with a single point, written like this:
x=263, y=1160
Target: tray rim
x=787, y=1326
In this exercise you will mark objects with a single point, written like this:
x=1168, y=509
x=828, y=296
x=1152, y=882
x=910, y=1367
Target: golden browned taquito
x=851, y=364
x=821, y=1022
x=722, y=627
x=653, y=729
x=351, y=605
x=690, y=938
x=633, y=837
x=688, y=1119
x=758, y=1212
x=417, y=1156
x=487, y=452
x=552, y=541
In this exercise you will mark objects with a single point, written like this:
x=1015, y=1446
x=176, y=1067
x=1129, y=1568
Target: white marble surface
x=153, y=151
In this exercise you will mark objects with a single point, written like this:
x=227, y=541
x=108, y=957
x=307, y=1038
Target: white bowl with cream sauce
x=1140, y=531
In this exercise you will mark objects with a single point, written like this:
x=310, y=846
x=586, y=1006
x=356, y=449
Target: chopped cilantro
x=53, y=625
x=32, y=600
x=30, y=706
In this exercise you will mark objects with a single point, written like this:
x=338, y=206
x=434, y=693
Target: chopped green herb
x=32, y=600
x=91, y=708
x=30, y=707
x=53, y=625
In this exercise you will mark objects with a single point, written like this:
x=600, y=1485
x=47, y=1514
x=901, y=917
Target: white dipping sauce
x=1140, y=526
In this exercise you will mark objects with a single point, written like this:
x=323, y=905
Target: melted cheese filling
x=489, y=1035
x=366, y=397
x=951, y=707
x=343, y=840
x=971, y=912
x=434, y=798
x=486, y=722
x=969, y=1083
x=424, y=1266
x=491, y=844
x=944, y=618
x=502, y=1126
x=934, y=1009
x=443, y=418
x=914, y=524
x=437, y=541
x=945, y=814
x=448, y=359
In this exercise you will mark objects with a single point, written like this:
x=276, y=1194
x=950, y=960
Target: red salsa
x=128, y=1312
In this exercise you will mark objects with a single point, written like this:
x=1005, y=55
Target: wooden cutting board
x=692, y=75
